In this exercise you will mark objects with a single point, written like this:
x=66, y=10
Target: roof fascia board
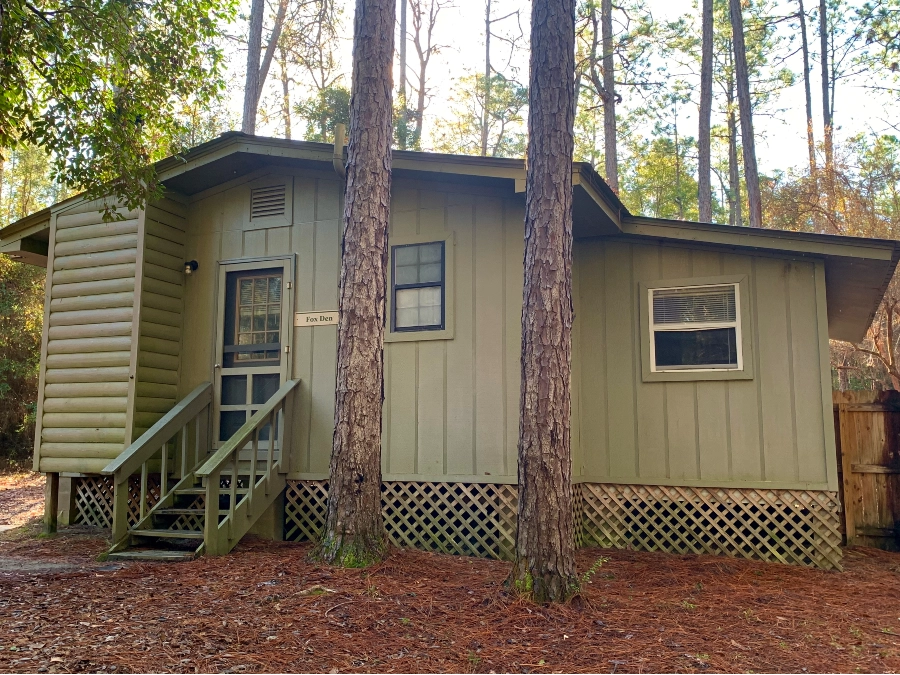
x=778, y=240
x=587, y=186
x=28, y=225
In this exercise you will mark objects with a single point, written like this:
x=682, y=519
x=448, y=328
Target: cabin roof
x=857, y=270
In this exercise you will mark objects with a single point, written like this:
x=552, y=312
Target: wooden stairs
x=208, y=507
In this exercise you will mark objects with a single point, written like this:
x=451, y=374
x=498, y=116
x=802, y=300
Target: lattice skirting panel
x=791, y=526
x=94, y=499
x=458, y=518
x=788, y=526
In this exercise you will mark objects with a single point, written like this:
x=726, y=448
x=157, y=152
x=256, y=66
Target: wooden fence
x=867, y=428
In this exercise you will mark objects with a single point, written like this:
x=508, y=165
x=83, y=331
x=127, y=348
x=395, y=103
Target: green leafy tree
x=96, y=83
x=659, y=181
x=21, y=316
x=461, y=133
x=322, y=111
x=25, y=184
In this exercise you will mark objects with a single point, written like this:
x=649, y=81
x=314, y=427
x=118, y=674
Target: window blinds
x=708, y=304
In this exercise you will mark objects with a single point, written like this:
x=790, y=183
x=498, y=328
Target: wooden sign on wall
x=316, y=318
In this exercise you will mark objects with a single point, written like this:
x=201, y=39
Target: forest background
x=826, y=131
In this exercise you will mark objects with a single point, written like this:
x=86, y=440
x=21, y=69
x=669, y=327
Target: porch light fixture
x=190, y=267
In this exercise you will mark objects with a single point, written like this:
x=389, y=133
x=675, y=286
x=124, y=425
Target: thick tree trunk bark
x=751, y=175
x=610, y=148
x=354, y=531
x=544, y=568
x=251, y=84
x=704, y=163
x=810, y=136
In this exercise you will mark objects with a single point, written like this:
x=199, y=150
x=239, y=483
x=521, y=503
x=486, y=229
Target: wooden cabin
x=188, y=361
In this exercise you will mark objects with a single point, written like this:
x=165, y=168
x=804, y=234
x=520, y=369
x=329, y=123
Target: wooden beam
x=51, y=502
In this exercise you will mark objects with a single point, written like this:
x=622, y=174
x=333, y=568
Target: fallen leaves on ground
x=21, y=498
x=266, y=608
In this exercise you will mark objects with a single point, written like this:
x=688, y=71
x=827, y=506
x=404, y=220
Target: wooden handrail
x=172, y=422
x=240, y=438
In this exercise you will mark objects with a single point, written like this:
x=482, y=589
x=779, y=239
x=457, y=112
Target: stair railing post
x=270, y=456
x=120, y=508
x=287, y=409
x=211, y=520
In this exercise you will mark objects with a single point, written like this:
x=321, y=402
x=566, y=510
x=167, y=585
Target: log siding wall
x=87, y=342
x=160, y=327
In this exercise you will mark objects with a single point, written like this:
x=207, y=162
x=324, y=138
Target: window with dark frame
x=418, y=294
x=695, y=328
x=253, y=319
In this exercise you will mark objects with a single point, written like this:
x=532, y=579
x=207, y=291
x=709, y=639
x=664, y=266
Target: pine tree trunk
x=404, y=126
x=826, y=99
x=704, y=163
x=251, y=84
x=748, y=143
x=610, y=149
x=734, y=177
x=285, y=95
x=487, y=79
x=544, y=568
x=270, y=48
x=810, y=136
x=827, y=120
x=354, y=533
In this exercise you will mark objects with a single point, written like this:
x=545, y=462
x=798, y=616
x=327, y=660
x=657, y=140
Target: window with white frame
x=695, y=328
x=418, y=280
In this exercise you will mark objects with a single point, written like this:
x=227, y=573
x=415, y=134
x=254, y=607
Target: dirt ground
x=264, y=608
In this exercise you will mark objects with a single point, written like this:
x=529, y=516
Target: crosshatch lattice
x=789, y=526
x=459, y=518
x=94, y=499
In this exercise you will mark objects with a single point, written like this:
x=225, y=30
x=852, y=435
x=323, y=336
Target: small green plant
x=525, y=586
x=593, y=569
x=473, y=658
x=855, y=632
x=405, y=621
x=685, y=604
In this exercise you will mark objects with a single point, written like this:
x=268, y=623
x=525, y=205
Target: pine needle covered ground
x=264, y=608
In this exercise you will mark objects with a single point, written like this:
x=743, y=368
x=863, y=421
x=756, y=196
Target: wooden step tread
x=174, y=534
x=179, y=512
x=202, y=491
x=153, y=554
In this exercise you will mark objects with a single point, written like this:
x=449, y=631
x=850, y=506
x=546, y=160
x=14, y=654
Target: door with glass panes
x=253, y=343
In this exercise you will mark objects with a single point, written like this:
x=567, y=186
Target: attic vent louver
x=267, y=202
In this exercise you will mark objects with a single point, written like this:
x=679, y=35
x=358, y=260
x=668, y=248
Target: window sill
x=419, y=335
x=697, y=376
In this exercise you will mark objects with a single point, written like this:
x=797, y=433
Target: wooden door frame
x=287, y=263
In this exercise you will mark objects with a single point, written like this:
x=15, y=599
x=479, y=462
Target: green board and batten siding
x=769, y=431
x=91, y=399
x=451, y=409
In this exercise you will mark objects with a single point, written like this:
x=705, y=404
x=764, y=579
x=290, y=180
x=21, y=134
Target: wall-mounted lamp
x=190, y=267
